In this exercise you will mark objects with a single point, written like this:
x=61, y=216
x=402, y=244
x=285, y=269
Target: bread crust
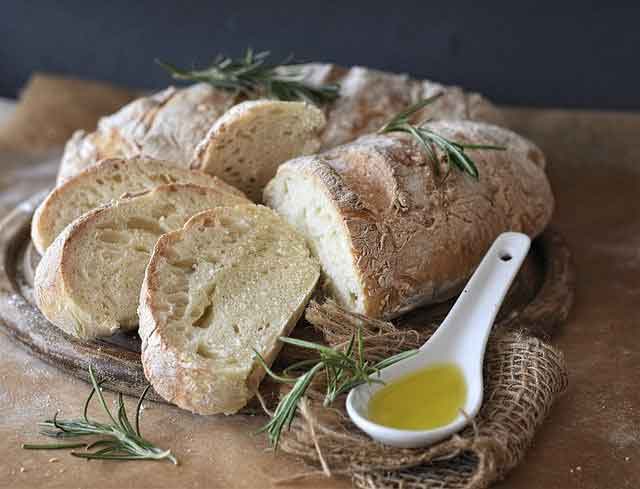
x=416, y=239
x=167, y=125
x=170, y=124
x=176, y=374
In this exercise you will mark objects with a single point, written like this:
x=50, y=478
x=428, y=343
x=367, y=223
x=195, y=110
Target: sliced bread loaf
x=229, y=283
x=248, y=143
x=104, y=182
x=392, y=235
x=88, y=281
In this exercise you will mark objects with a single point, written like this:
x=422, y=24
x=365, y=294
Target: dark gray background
x=563, y=53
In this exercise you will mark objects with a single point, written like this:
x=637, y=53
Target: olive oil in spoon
x=433, y=394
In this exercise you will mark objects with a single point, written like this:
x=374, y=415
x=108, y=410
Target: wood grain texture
x=539, y=300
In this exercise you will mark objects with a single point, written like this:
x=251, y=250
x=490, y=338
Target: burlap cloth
x=591, y=442
x=523, y=377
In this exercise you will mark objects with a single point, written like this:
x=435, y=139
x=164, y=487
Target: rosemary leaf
x=52, y=446
x=344, y=368
x=253, y=76
x=454, y=152
x=119, y=439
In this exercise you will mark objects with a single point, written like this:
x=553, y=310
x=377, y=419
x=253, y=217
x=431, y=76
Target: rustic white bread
x=171, y=124
x=167, y=126
x=232, y=281
x=88, y=281
x=389, y=233
x=247, y=144
x=106, y=181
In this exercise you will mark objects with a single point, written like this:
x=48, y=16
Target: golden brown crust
x=416, y=237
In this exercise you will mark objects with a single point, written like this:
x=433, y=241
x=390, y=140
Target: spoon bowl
x=461, y=339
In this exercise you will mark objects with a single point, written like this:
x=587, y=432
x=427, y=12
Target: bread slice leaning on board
x=228, y=284
x=391, y=235
x=176, y=124
x=108, y=180
x=88, y=281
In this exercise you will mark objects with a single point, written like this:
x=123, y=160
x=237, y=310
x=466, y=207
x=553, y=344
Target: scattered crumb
x=626, y=459
x=22, y=469
x=53, y=460
x=61, y=471
x=578, y=468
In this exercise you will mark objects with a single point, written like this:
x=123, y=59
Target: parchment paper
x=592, y=439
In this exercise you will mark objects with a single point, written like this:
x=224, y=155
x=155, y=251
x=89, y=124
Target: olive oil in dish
x=422, y=400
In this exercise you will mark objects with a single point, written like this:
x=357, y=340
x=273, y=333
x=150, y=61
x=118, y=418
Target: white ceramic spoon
x=461, y=339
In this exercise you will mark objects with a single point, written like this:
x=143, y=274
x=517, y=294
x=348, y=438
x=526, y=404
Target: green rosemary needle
x=454, y=152
x=343, y=370
x=120, y=441
x=252, y=76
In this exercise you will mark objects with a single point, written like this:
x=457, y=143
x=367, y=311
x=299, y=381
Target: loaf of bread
x=88, y=281
x=170, y=125
x=106, y=181
x=246, y=145
x=390, y=234
x=225, y=286
x=166, y=126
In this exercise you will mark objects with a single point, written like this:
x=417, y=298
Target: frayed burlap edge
x=523, y=377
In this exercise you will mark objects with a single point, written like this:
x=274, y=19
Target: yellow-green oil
x=422, y=400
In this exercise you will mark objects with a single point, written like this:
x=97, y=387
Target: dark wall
x=566, y=54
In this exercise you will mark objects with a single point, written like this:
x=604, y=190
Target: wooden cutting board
x=539, y=300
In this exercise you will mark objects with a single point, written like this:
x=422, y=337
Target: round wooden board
x=539, y=300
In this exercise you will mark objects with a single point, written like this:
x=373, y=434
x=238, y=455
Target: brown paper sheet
x=592, y=438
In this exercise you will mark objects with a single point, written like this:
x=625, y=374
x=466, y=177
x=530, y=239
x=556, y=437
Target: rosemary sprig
x=343, y=370
x=454, y=152
x=120, y=440
x=252, y=75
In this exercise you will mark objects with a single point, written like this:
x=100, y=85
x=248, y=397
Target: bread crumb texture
x=229, y=283
x=104, y=182
x=246, y=145
x=88, y=281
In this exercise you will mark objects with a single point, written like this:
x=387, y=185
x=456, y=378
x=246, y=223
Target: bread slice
x=392, y=235
x=248, y=143
x=88, y=281
x=232, y=281
x=104, y=182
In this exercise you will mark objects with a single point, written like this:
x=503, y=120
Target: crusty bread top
x=88, y=280
x=169, y=125
x=368, y=98
x=229, y=283
x=247, y=144
x=416, y=236
x=104, y=182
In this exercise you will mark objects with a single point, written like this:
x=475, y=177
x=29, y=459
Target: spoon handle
x=470, y=320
